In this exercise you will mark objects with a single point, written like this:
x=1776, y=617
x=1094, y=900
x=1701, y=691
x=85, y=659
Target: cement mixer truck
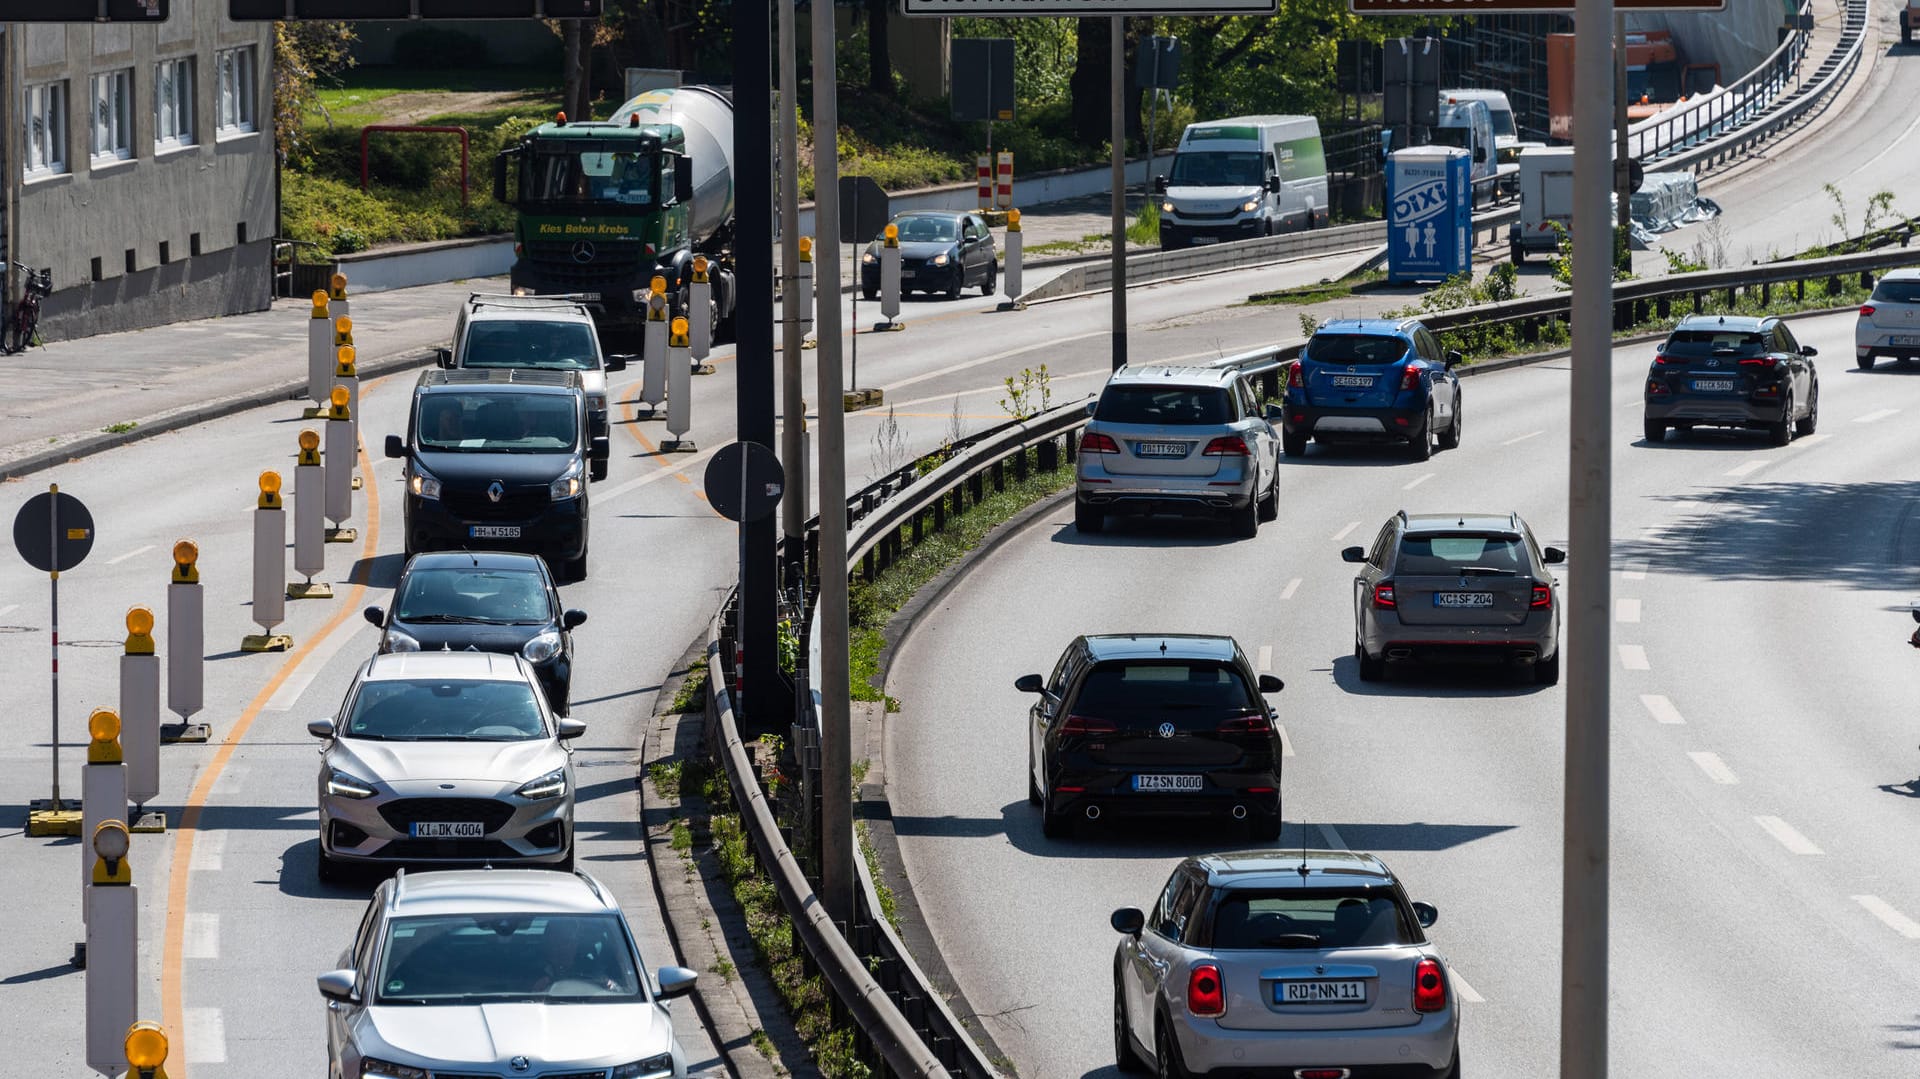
x=605, y=206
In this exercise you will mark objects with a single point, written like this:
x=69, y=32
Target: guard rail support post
x=1766, y=293
x=1020, y=466
x=319, y=347
x=679, y=390
x=339, y=469
x=653, y=346
x=979, y=487
x=1665, y=307
x=112, y=948
x=103, y=797
x=309, y=524
x=140, y=718
x=939, y=515
x=269, y=569
x=1016, y=241
x=890, y=277
x=700, y=303
x=919, y=526
x=1800, y=288
x=999, y=476
x=1049, y=455
x=186, y=646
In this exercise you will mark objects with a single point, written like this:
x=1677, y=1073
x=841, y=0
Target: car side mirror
x=572, y=619
x=1479, y=153
x=395, y=447
x=1271, y=684
x=1916, y=614
x=599, y=448
x=1159, y=185
x=1427, y=913
x=1809, y=350
x=320, y=728
x=569, y=728
x=1128, y=920
x=676, y=981
x=1554, y=556
x=1275, y=413
x=338, y=986
x=683, y=179
x=1030, y=683
x=443, y=357
x=375, y=615
x=1273, y=185
x=1093, y=406
x=1353, y=554
x=618, y=362
x=1454, y=359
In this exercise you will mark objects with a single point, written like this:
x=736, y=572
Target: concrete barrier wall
x=1051, y=187
x=426, y=264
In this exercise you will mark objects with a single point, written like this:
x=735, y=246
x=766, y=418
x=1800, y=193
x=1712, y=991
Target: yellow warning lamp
x=678, y=331
x=185, y=554
x=806, y=247
x=146, y=1045
x=893, y=236
x=699, y=267
x=340, y=396
x=103, y=730
x=338, y=283
x=345, y=357
x=319, y=303
x=659, y=285
x=1013, y=220
x=269, y=490
x=309, y=440
x=139, y=631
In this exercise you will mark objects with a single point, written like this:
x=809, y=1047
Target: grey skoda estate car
x=478, y=974
x=1472, y=586
x=1295, y=963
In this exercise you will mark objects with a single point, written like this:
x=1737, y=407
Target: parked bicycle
x=22, y=329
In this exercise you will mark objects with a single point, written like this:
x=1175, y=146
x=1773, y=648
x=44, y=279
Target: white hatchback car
x=1889, y=322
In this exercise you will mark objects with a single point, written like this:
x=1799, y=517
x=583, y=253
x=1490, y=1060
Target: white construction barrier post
x=112, y=948
x=340, y=456
x=1003, y=183
x=319, y=350
x=700, y=316
x=103, y=796
x=653, y=348
x=186, y=646
x=1011, y=272
x=890, y=277
x=348, y=375
x=679, y=390
x=337, y=297
x=309, y=525
x=269, y=569
x=140, y=719
x=804, y=282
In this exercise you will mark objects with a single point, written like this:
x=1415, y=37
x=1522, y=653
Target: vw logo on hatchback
x=1166, y=730
x=496, y=491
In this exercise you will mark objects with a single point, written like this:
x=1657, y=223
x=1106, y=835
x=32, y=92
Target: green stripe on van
x=1302, y=159
x=1235, y=131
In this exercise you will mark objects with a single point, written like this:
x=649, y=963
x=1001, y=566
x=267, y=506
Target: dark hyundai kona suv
x=1733, y=371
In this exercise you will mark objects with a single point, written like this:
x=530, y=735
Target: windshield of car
x=919, y=228
x=517, y=597
x=1502, y=122
x=586, y=174
x=1154, y=689
x=1897, y=290
x=1694, y=344
x=469, y=959
x=498, y=423
x=1310, y=918
x=1461, y=137
x=1172, y=406
x=556, y=346
x=444, y=710
x=1216, y=168
x=1355, y=348
x=1462, y=555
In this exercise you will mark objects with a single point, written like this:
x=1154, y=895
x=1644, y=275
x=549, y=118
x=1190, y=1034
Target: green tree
x=303, y=54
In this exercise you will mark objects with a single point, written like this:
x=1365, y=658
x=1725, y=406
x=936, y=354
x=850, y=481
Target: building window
x=173, y=103
x=46, y=129
x=113, y=115
x=236, y=91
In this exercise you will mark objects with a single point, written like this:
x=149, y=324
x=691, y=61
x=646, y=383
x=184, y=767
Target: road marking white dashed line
x=1417, y=481
x=1661, y=708
x=1521, y=438
x=1875, y=417
x=1342, y=534
x=1292, y=587
x=1626, y=610
x=1687, y=506
x=1804, y=441
x=1286, y=744
x=1748, y=469
x=1633, y=657
x=1266, y=657
x=1788, y=837
x=208, y=849
x=1466, y=992
x=8, y=609
x=1715, y=768
x=135, y=553
x=202, y=938
x=1332, y=837
x=1895, y=920
x=206, y=1036
x=1634, y=570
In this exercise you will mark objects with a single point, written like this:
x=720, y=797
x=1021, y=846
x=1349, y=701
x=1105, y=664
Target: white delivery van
x=1546, y=199
x=1506, y=133
x=1242, y=177
x=1468, y=125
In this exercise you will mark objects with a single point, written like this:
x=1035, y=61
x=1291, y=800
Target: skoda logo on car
x=496, y=491
x=520, y=1064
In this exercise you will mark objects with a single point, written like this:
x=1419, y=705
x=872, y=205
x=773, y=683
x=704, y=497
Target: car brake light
x=1086, y=725
x=1383, y=595
x=1321, y=1073
x=1205, y=995
x=1095, y=442
x=1542, y=598
x=1760, y=361
x=1410, y=378
x=1294, y=380
x=1227, y=446
x=1662, y=358
x=1429, y=987
x=1866, y=309
x=1254, y=724
x=1656, y=386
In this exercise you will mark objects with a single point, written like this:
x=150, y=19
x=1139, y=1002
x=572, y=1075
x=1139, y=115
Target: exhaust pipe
x=1399, y=653
x=1526, y=657
x=1239, y=812
x=1093, y=812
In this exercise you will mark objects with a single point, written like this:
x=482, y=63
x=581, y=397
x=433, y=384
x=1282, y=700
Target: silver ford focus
x=445, y=757
x=1302, y=964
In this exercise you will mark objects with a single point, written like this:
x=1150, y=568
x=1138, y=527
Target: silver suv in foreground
x=1185, y=440
x=1284, y=963
x=521, y=973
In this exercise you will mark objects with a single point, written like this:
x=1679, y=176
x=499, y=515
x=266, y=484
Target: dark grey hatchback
x=1153, y=725
x=1733, y=371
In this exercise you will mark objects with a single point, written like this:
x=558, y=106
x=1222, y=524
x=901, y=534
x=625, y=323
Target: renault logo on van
x=496, y=491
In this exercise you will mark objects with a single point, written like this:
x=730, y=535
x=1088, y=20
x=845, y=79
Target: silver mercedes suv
x=499, y=974
x=1295, y=963
x=1184, y=440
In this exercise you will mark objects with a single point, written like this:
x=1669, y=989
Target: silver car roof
x=1277, y=868
x=1173, y=375
x=1160, y=646
x=496, y=891
x=484, y=666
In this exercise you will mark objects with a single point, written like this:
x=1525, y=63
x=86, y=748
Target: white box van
x=1468, y=124
x=1506, y=134
x=1546, y=199
x=1242, y=177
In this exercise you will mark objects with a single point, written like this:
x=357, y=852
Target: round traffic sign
x=53, y=531
x=744, y=481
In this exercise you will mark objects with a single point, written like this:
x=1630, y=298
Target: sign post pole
x=1116, y=85
x=52, y=532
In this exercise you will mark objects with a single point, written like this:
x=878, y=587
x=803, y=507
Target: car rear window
x=1309, y=918
x=559, y=346
x=474, y=595
x=1171, y=406
x=1355, y=348
x=1903, y=290
x=1453, y=554
x=1703, y=343
x=1170, y=689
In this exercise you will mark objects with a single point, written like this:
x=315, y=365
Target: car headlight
x=551, y=785
x=380, y=1069
x=567, y=486
x=1166, y=207
x=597, y=402
x=342, y=785
x=1249, y=206
x=423, y=483
x=543, y=647
x=659, y=1065
x=869, y=257
x=942, y=258
x=401, y=642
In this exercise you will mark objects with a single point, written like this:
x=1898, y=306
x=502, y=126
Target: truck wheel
x=1518, y=254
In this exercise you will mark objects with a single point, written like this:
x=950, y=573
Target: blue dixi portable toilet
x=1429, y=213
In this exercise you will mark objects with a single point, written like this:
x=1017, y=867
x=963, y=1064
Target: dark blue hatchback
x=1373, y=380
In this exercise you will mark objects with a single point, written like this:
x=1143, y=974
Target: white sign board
x=991, y=8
